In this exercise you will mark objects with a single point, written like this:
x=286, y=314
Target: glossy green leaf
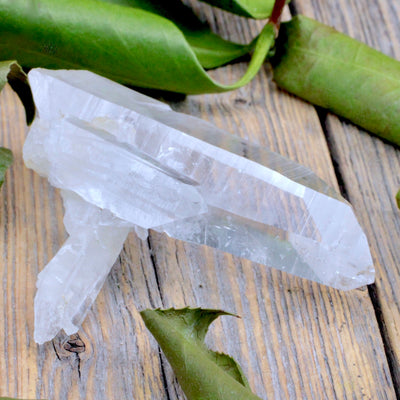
x=211, y=50
x=258, y=9
x=398, y=199
x=126, y=44
x=12, y=73
x=203, y=374
x=6, y=159
x=334, y=71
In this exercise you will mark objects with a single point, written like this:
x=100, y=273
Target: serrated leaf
x=126, y=44
x=202, y=373
x=230, y=366
x=6, y=159
x=341, y=74
x=258, y=9
x=11, y=72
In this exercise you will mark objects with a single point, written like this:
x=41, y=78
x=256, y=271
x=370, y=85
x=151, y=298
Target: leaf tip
x=193, y=321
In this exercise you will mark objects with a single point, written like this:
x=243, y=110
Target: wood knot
x=74, y=344
x=241, y=101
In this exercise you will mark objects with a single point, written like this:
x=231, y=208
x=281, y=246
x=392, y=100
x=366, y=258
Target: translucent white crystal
x=69, y=284
x=155, y=168
x=88, y=162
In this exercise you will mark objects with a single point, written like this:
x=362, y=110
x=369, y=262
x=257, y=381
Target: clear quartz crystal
x=69, y=284
x=90, y=163
x=132, y=156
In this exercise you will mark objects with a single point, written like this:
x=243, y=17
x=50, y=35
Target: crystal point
x=133, y=158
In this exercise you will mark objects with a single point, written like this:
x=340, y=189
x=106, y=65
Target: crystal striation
x=126, y=161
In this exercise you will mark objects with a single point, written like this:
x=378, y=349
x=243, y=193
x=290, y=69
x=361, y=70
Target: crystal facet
x=127, y=161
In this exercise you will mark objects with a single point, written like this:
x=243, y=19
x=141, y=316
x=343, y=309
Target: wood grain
x=119, y=357
x=295, y=339
x=368, y=166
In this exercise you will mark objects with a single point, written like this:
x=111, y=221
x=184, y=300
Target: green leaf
x=6, y=159
x=202, y=373
x=258, y=9
x=12, y=72
x=398, y=199
x=211, y=50
x=126, y=44
x=334, y=71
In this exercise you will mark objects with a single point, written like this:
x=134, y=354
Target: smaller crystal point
x=127, y=162
x=70, y=282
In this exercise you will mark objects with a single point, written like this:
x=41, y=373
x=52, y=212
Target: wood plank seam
x=371, y=288
x=162, y=358
x=297, y=7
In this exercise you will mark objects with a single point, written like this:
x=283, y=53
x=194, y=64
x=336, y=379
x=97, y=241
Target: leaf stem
x=275, y=18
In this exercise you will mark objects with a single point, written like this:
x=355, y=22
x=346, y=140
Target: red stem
x=276, y=14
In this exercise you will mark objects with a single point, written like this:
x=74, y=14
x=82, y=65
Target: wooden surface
x=296, y=339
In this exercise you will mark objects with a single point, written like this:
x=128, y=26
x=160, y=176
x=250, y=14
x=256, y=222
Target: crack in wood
x=391, y=359
x=155, y=268
x=163, y=374
x=160, y=356
x=55, y=350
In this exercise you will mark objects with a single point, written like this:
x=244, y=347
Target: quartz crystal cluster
x=124, y=161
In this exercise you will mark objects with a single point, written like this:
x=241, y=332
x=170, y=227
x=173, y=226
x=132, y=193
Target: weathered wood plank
x=282, y=317
x=369, y=167
x=295, y=339
x=120, y=358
